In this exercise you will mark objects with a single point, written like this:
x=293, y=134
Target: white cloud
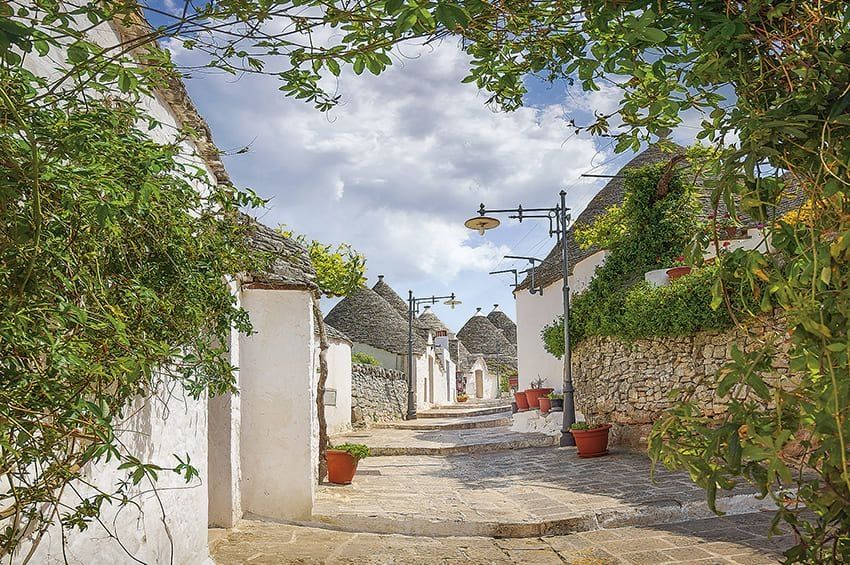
x=398, y=167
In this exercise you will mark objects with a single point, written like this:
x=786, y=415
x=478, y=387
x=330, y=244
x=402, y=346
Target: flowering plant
x=679, y=261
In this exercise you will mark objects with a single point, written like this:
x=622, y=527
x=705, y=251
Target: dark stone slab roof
x=612, y=194
x=432, y=321
x=334, y=333
x=504, y=323
x=291, y=266
x=480, y=336
x=365, y=317
x=387, y=292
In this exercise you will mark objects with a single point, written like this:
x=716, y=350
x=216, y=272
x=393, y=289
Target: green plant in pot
x=536, y=391
x=342, y=461
x=591, y=439
x=556, y=401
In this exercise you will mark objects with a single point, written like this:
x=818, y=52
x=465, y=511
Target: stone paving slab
x=473, y=422
x=738, y=539
x=393, y=442
x=525, y=493
x=461, y=410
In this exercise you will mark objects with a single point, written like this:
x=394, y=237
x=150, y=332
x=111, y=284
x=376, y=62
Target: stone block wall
x=377, y=394
x=628, y=384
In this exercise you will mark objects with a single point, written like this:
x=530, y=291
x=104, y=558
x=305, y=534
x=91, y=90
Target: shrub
x=356, y=450
x=361, y=358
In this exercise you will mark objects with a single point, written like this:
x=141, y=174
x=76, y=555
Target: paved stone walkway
x=737, y=539
x=529, y=492
x=501, y=419
x=443, y=441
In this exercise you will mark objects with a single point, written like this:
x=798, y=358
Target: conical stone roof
x=504, y=323
x=365, y=317
x=480, y=336
x=432, y=321
x=398, y=304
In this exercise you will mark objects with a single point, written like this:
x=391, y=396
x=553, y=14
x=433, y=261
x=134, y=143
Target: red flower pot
x=592, y=443
x=521, y=401
x=545, y=404
x=678, y=272
x=513, y=382
x=533, y=395
x=341, y=466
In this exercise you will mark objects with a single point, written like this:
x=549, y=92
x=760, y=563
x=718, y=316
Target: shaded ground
x=737, y=539
x=521, y=493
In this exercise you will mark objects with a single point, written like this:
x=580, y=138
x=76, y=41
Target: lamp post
x=412, y=308
x=558, y=225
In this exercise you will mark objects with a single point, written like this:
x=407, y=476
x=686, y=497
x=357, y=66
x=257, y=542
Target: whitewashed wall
x=534, y=312
x=279, y=444
x=338, y=418
x=387, y=359
x=159, y=428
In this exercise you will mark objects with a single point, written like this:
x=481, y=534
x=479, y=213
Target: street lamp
x=412, y=309
x=558, y=225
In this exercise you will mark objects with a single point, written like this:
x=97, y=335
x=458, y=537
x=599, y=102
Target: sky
x=404, y=160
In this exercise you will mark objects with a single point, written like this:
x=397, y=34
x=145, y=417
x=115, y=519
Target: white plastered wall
x=279, y=444
x=387, y=359
x=338, y=418
x=160, y=427
x=534, y=312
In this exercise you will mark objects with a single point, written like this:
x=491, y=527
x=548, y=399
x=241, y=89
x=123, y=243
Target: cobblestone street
x=467, y=489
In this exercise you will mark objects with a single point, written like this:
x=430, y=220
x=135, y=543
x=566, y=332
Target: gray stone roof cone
x=504, y=323
x=432, y=321
x=398, y=304
x=480, y=336
x=365, y=317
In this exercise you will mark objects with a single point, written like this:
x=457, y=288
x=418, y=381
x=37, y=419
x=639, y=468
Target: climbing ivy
x=648, y=231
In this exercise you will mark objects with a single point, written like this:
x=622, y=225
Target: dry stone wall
x=628, y=384
x=377, y=394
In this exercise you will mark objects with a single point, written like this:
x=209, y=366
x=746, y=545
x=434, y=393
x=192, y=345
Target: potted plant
x=556, y=401
x=534, y=393
x=591, y=439
x=544, y=404
x=521, y=401
x=462, y=397
x=679, y=269
x=342, y=461
x=724, y=226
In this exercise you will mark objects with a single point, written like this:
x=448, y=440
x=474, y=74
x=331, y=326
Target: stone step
x=443, y=412
x=467, y=423
x=533, y=440
x=661, y=513
x=407, y=441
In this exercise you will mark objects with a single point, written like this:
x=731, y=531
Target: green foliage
x=504, y=373
x=584, y=426
x=114, y=255
x=340, y=270
x=643, y=234
x=361, y=358
x=772, y=72
x=555, y=396
x=356, y=450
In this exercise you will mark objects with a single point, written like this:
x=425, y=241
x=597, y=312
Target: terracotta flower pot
x=533, y=395
x=545, y=405
x=341, y=467
x=521, y=401
x=592, y=443
x=678, y=272
x=513, y=382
